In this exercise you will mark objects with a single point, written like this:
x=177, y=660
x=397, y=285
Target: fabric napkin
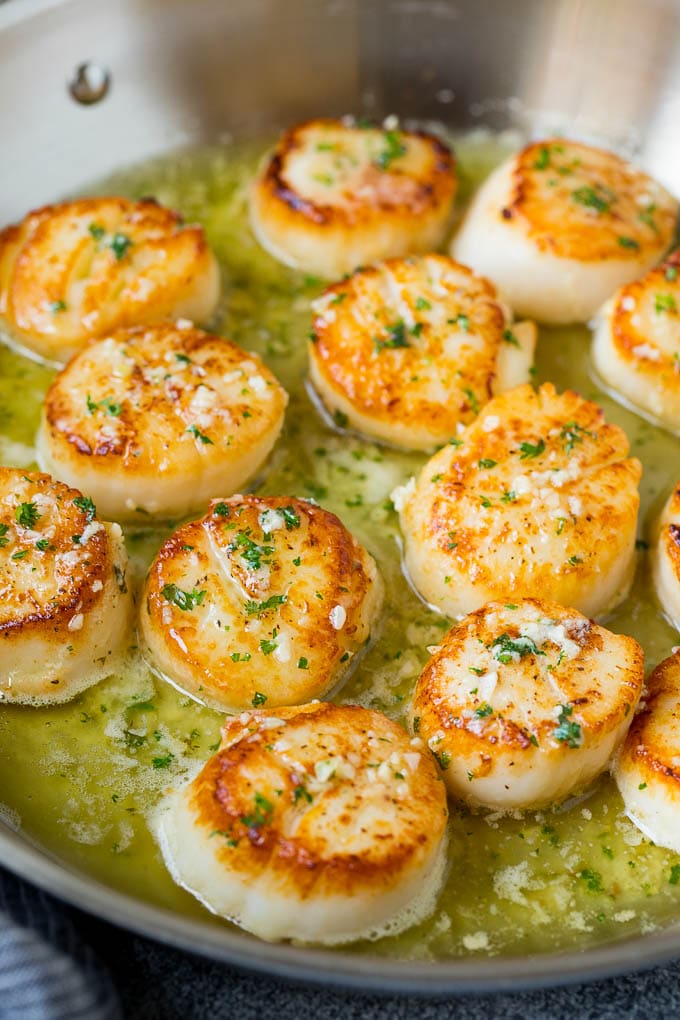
x=46, y=971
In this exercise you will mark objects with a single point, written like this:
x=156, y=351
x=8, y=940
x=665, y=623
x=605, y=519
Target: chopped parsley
x=42, y=545
x=394, y=149
x=301, y=793
x=674, y=877
x=510, y=338
x=107, y=404
x=598, y=198
x=27, y=515
x=19, y=555
x=486, y=464
x=258, y=699
x=197, y=434
x=542, y=161
x=240, y=656
x=443, y=759
x=461, y=320
x=484, y=710
x=184, y=600
x=509, y=496
x=474, y=403
x=396, y=337
x=222, y=510
x=506, y=649
x=4, y=528
x=258, y=608
x=162, y=761
x=671, y=273
x=628, y=242
x=291, y=517
x=267, y=647
x=85, y=504
x=57, y=306
x=340, y=419
x=573, y=433
x=120, y=243
x=96, y=231
x=664, y=303
x=303, y=663
x=593, y=879
x=253, y=554
x=567, y=731
x=422, y=304
x=528, y=451
x=262, y=814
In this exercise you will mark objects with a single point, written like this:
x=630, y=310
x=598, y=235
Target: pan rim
x=334, y=968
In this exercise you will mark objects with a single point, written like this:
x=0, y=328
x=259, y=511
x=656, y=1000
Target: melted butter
x=84, y=778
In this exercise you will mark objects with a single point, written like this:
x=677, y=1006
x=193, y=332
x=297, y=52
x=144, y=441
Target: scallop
x=65, y=606
x=561, y=225
x=322, y=823
x=666, y=558
x=647, y=770
x=154, y=420
x=407, y=350
x=81, y=269
x=525, y=702
x=536, y=498
x=264, y=600
x=636, y=345
x=334, y=195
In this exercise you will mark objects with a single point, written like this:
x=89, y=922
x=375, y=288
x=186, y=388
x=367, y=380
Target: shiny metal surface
x=185, y=72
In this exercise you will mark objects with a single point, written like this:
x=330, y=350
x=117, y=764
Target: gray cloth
x=46, y=971
x=49, y=970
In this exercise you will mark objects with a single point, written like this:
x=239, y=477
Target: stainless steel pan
x=183, y=72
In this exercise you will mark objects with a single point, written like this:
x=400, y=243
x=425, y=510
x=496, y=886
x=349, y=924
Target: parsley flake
x=27, y=515
x=567, y=731
x=184, y=600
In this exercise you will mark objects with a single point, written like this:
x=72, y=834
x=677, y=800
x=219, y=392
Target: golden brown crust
x=296, y=837
x=652, y=743
x=80, y=269
x=563, y=189
x=543, y=503
x=645, y=326
x=282, y=611
x=334, y=196
x=376, y=192
x=410, y=343
x=529, y=697
x=47, y=573
x=130, y=400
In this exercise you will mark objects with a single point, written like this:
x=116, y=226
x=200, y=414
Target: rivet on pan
x=90, y=83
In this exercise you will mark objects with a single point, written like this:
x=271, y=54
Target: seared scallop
x=636, y=346
x=524, y=703
x=407, y=350
x=81, y=269
x=536, y=498
x=264, y=600
x=64, y=600
x=666, y=558
x=321, y=823
x=155, y=420
x=647, y=770
x=561, y=225
x=334, y=195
